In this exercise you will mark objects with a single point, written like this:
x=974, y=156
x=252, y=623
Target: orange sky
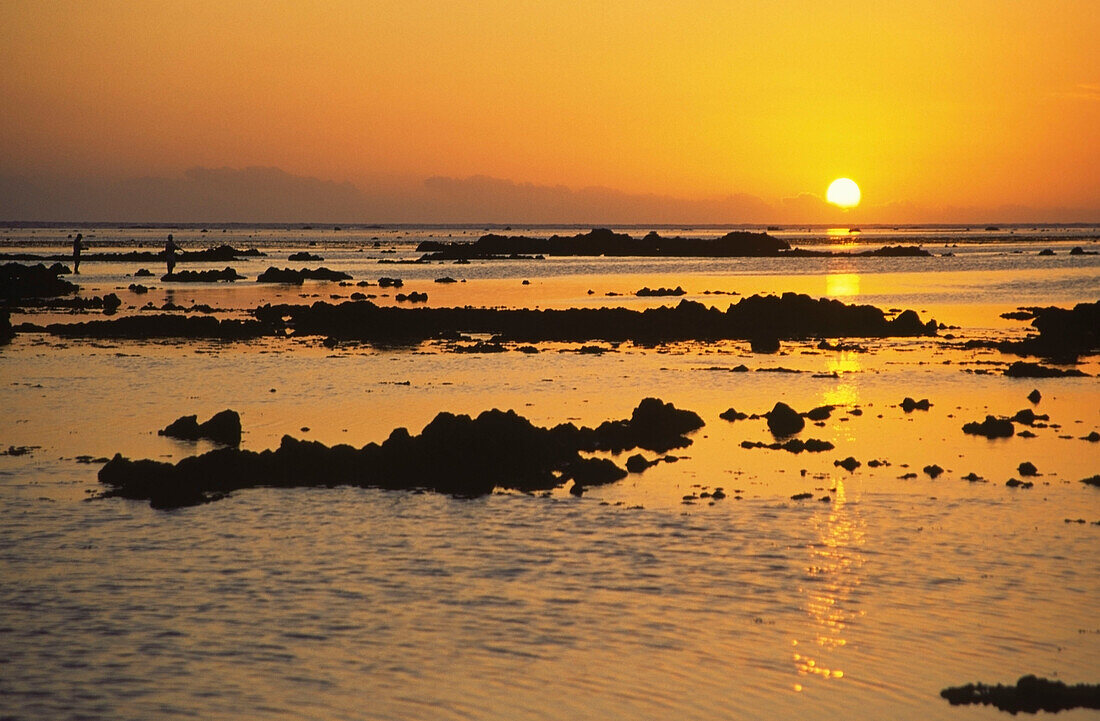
x=927, y=105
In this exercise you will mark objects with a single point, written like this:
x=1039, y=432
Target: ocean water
x=629, y=602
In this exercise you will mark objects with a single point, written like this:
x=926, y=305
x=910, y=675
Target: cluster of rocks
x=297, y=277
x=787, y=316
x=1064, y=333
x=223, y=427
x=202, y=276
x=453, y=454
x=304, y=257
x=1028, y=695
x=602, y=241
x=647, y=292
x=19, y=281
x=219, y=254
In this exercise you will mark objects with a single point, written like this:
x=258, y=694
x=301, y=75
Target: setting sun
x=843, y=192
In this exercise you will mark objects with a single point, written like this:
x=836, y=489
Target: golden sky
x=928, y=105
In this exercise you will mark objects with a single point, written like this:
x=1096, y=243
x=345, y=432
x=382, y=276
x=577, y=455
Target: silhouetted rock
x=789, y=316
x=1027, y=468
x=385, y=282
x=143, y=273
x=1029, y=695
x=732, y=415
x=909, y=405
x=1092, y=481
x=6, y=331
x=991, y=427
x=638, y=463
x=1021, y=369
x=32, y=281
x=1064, y=333
x=1078, y=250
x=1035, y=396
x=820, y=413
x=220, y=254
x=1028, y=417
x=162, y=326
x=453, y=454
x=801, y=496
x=202, y=276
x=446, y=279
x=413, y=297
x=303, y=257
x=223, y=427
x=792, y=445
x=849, y=464
x=659, y=292
x=1017, y=483
x=764, y=344
x=297, y=277
x=933, y=470
x=138, y=288
x=784, y=420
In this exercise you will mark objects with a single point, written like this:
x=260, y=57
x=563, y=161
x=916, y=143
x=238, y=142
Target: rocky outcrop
x=991, y=427
x=223, y=427
x=453, y=454
x=297, y=277
x=786, y=316
x=1064, y=333
x=220, y=254
x=784, y=420
x=304, y=257
x=1023, y=369
x=33, y=281
x=162, y=326
x=1028, y=695
x=202, y=276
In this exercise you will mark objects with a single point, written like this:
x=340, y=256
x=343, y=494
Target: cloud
x=271, y=195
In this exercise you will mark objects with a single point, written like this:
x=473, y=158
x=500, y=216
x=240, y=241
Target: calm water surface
x=626, y=603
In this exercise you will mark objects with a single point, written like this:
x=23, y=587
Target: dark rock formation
x=138, y=288
x=385, y=282
x=991, y=427
x=1035, y=396
x=303, y=257
x=1028, y=417
x=162, y=326
x=849, y=464
x=202, y=276
x=1017, y=483
x=458, y=455
x=223, y=427
x=933, y=470
x=764, y=344
x=1028, y=695
x=1092, y=481
x=32, y=281
x=647, y=292
x=297, y=277
x=820, y=413
x=220, y=254
x=446, y=279
x=731, y=415
x=793, y=445
x=6, y=331
x=784, y=420
x=909, y=405
x=1064, y=333
x=1022, y=369
x=413, y=297
x=1027, y=468
x=788, y=316
x=143, y=273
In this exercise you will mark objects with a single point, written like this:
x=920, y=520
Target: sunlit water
x=629, y=602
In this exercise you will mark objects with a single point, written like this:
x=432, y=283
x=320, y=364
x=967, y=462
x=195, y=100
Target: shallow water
x=626, y=603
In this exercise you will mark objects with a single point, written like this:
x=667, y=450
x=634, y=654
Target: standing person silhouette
x=170, y=249
x=78, y=245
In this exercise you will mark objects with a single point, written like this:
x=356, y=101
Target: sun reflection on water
x=835, y=560
x=842, y=285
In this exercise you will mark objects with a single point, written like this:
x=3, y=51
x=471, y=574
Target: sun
x=843, y=192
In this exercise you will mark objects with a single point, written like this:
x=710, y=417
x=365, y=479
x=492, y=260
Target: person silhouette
x=170, y=249
x=78, y=245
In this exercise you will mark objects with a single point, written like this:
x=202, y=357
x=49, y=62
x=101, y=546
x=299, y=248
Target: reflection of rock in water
x=835, y=560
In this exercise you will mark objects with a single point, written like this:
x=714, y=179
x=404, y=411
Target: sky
x=501, y=111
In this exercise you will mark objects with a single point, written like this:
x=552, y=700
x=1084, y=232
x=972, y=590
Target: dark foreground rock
x=458, y=455
x=784, y=420
x=304, y=257
x=1064, y=333
x=1028, y=695
x=6, y=331
x=223, y=427
x=33, y=281
x=139, y=327
x=787, y=316
x=909, y=405
x=1022, y=369
x=297, y=277
x=202, y=276
x=991, y=427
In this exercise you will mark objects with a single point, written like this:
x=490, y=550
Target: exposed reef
x=202, y=276
x=223, y=427
x=789, y=316
x=1023, y=369
x=991, y=427
x=602, y=241
x=1064, y=333
x=1028, y=695
x=138, y=327
x=220, y=254
x=19, y=281
x=297, y=277
x=454, y=454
